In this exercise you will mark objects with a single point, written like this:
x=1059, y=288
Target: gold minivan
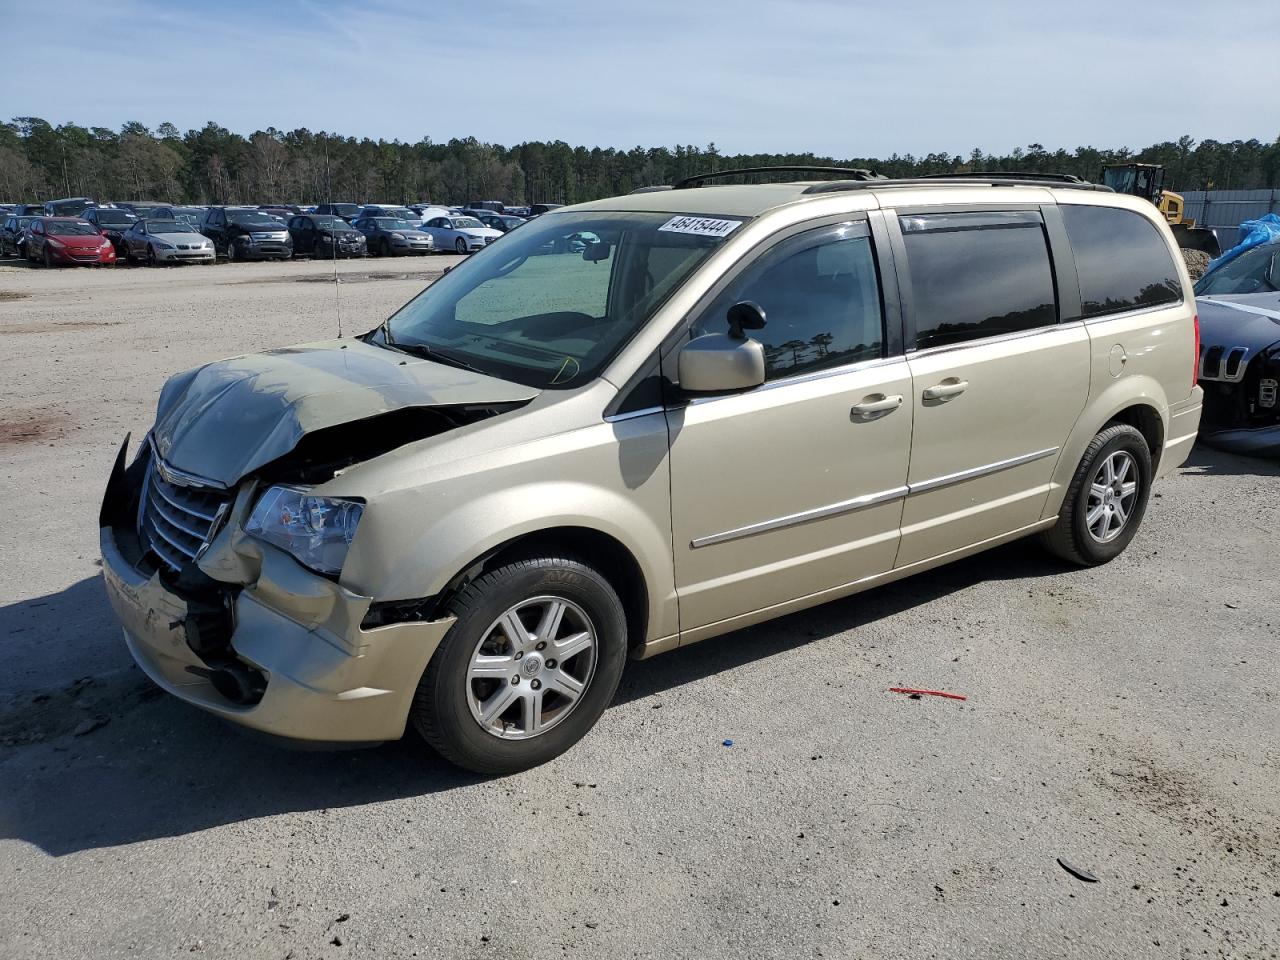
x=637, y=423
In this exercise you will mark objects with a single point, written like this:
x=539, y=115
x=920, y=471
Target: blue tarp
x=1253, y=233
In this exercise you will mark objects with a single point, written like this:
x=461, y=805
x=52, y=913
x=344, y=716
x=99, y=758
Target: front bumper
x=263, y=250
x=1258, y=442
x=74, y=258
x=171, y=255
x=326, y=679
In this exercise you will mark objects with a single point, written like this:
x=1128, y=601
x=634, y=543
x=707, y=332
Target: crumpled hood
x=228, y=418
x=1246, y=320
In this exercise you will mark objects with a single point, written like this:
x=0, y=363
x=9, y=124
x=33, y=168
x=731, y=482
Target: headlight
x=317, y=531
x=397, y=236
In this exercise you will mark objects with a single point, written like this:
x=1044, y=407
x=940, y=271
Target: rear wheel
x=531, y=663
x=1106, y=500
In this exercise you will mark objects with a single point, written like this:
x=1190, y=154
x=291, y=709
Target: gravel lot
x=1125, y=719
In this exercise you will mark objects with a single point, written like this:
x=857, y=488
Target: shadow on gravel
x=1207, y=461
x=1014, y=561
x=158, y=768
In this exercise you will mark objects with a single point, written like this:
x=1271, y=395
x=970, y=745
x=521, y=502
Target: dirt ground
x=1124, y=719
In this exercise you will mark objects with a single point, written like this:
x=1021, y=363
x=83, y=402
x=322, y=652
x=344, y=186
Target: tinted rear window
x=1122, y=261
x=976, y=275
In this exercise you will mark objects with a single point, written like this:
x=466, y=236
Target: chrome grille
x=1224, y=363
x=176, y=521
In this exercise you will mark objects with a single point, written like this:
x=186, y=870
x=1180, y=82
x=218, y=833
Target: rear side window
x=1122, y=261
x=821, y=299
x=976, y=275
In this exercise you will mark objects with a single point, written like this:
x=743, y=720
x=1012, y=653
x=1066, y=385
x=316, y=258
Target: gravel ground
x=1124, y=719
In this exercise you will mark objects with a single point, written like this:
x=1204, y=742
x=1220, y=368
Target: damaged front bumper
x=282, y=651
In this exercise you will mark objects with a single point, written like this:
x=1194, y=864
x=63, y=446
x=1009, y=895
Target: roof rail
x=857, y=174
x=999, y=179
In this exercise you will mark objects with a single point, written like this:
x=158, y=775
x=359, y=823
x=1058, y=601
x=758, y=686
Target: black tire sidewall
x=1132, y=442
x=460, y=243
x=441, y=712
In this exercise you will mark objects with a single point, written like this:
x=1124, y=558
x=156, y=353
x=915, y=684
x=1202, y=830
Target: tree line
x=39, y=161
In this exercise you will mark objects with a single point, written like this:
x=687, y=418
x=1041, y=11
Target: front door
x=795, y=487
x=997, y=381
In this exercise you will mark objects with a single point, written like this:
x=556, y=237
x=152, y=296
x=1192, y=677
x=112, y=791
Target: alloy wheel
x=531, y=667
x=460, y=246
x=1112, y=496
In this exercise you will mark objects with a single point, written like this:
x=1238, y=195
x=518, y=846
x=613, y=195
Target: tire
x=386, y=248
x=48, y=260
x=151, y=257
x=231, y=251
x=1073, y=537
x=461, y=246
x=449, y=703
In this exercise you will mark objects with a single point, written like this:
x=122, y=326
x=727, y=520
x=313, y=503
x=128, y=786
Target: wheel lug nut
x=515, y=681
x=536, y=684
x=519, y=654
x=551, y=664
x=542, y=645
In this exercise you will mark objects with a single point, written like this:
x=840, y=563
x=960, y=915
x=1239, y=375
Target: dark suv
x=325, y=235
x=246, y=233
x=347, y=211
x=111, y=222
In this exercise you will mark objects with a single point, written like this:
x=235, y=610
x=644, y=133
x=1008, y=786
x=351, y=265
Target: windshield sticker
x=701, y=226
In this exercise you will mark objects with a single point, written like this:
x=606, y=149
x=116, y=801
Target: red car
x=67, y=240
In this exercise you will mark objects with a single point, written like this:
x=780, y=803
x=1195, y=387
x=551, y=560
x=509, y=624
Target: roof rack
x=850, y=174
x=997, y=179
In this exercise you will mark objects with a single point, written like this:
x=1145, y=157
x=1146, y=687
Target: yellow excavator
x=1146, y=180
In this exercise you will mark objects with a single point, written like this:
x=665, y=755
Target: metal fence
x=1224, y=210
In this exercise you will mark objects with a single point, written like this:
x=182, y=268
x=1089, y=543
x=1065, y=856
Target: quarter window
x=1121, y=259
x=976, y=275
x=821, y=300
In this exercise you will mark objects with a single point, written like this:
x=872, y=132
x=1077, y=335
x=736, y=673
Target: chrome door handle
x=876, y=405
x=948, y=388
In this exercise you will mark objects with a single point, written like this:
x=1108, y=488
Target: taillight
x=1195, y=357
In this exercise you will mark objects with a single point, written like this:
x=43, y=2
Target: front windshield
x=252, y=218
x=392, y=223
x=331, y=223
x=70, y=228
x=346, y=209
x=465, y=223
x=1254, y=271
x=115, y=217
x=554, y=302
x=169, y=226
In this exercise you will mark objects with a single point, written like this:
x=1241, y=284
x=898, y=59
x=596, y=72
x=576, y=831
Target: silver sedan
x=167, y=241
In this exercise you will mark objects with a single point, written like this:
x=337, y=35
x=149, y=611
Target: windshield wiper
x=429, y=353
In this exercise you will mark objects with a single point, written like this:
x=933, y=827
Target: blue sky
x=842, y=78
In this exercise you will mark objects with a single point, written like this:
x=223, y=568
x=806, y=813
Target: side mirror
x=721, y=362
x=745, y=315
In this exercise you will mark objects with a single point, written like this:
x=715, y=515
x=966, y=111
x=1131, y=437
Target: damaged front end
x=1240, y=375
x=232, y=622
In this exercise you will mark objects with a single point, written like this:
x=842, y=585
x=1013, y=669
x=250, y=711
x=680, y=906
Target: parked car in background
x=538, y=209
x=68, y=241
x=325, y=235
x=68, y=207
x=246, y=233
x=459, y=234
x=347, y=211
x=112, y=222
x=1239, y=309
x=193, y=215
x=158, y=242
x=499, y=221
x=13, y=235
x=141, y=208
x=495, y=205
x=393, y=236
x=28, y=209
x=386, y=210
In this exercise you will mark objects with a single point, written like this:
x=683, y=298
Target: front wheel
x=533, y=660
x=47, y=258
x=151, y=257
x=461, y=246
x=231, y=251
x=1106, y=500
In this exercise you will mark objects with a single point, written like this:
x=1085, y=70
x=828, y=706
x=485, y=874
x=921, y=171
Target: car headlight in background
x=316, y=531
x=397, y=236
